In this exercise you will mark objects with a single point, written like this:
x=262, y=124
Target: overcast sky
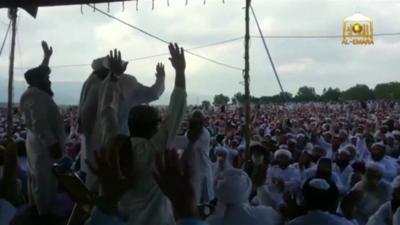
x=79, y=38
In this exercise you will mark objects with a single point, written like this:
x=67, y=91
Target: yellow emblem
x=358, y=30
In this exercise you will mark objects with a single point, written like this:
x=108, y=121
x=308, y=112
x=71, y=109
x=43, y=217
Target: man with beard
x=323, y=170
x=196, y=155
x=45, y=136
x=377, y=155
x=342, y=167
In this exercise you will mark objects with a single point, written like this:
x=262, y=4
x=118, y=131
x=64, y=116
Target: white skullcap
x=283, y=152
x=283, y=147
x=396, y=182
x=309, y=148
x=375, y=167
x=233, y=187
x=320, y=184
x=389, y=135
x=378, y=144
x=293, y=140
x=396, y=133
x=344, y=151
x=301, y=135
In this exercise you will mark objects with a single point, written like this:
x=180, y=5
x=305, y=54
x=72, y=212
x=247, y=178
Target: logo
x=358, y=30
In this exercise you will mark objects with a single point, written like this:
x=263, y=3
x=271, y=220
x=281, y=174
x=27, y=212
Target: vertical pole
x=12, y=13
x=246, y=80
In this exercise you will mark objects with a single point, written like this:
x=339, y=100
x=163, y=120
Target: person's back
x=145, y=204
x=245, y=214
x=233, y=190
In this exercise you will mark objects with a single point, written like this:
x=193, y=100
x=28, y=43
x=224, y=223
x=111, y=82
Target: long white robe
x=201, y=168
x=145, y=204
x=45, y=128
x=319, y=217
x=94, y=127
x=344, y=175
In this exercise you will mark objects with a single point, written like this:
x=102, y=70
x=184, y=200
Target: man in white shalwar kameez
x=197, y=157
x=45, y=135
x=233, y=189
x=145, y=204
x=388, y=163
x=94, y=130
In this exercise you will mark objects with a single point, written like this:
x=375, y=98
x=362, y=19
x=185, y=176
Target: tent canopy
x=39, y=3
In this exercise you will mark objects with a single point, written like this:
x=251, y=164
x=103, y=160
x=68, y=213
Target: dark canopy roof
x=39, y=3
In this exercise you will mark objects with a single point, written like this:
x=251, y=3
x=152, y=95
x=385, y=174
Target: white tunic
x=318, y=218
x=145, y=203
x=390, y=167
x=95, y=128
x=344, y=175
x=201, y=168
x=45, y=128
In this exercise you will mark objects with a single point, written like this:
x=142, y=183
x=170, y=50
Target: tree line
x=359, y=92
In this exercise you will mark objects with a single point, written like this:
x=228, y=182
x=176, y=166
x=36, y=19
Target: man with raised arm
x=145, y=203
x=45, y=136
x=94, y=130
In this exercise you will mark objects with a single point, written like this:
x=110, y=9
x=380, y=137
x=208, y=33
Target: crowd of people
x=307, y=163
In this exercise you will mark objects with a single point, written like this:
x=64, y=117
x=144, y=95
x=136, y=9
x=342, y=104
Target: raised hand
x=160, y=71
x=115, y=63
x=48, y=51
x=178, y=62
x=174, y=182
x=177, y=57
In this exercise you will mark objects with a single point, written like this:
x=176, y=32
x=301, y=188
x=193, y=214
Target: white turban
x=375, y=167
x=378, y=144
x=283, y=152
x=320, y=184
x=234, y=187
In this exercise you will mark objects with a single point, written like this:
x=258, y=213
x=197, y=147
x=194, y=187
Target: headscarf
x=233, y=187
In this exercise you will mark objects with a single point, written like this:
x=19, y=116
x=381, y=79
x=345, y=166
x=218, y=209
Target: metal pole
x=246, y=79
x=12, y=13
x=268, y=53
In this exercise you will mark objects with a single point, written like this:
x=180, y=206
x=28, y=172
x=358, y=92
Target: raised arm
x=110, y=95
x=177, y=105
x=143, y=94
x=47, y=52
